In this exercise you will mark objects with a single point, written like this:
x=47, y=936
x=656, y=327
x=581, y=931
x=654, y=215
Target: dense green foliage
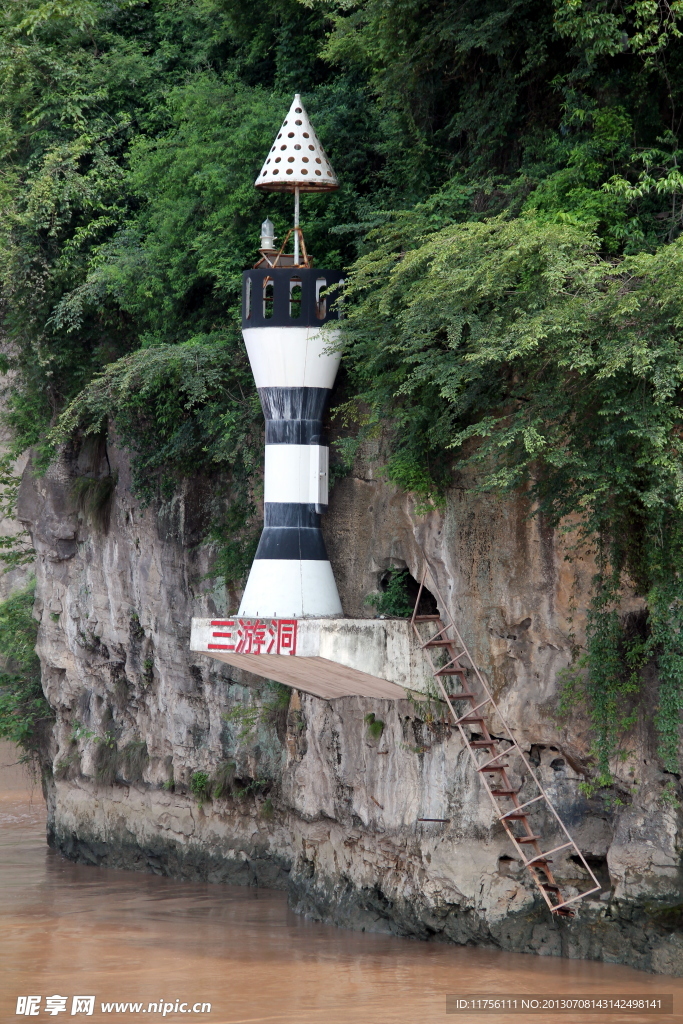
x=510, y=211
x=375, y=726
x=393, y=598
x=177, y=407
x=513, y=343
x=22, y=705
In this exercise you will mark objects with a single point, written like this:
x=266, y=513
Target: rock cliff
x=304, y=797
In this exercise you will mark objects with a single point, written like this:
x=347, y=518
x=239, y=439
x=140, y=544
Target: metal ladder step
x=555, y=849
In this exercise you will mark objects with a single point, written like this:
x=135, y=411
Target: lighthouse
x=286, y=303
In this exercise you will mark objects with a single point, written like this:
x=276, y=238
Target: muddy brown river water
x=68, y=931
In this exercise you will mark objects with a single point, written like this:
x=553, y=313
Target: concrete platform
x=326, y=657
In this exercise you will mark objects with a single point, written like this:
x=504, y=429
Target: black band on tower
x=292, y=543
x=291, y=514
x=293, y=403
x=291, y=530
x=294, y=415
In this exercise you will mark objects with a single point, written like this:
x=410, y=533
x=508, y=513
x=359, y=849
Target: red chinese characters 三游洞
x=255, y=636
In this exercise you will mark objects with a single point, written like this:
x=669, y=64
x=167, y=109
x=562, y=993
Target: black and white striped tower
x=285, y=304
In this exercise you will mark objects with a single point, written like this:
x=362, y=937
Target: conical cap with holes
x=297, y=158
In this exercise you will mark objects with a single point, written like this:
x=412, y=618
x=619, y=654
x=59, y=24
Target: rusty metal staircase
x=472, y=708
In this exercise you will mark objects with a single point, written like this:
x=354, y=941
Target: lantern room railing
x=290, y=297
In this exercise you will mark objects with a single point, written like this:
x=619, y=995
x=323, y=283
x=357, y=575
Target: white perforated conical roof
x=297, y=157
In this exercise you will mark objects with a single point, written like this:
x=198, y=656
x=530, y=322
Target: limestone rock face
x=167, y=761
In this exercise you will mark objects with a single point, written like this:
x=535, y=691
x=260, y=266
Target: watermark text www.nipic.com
x=51, y=1006
x=657, y=1005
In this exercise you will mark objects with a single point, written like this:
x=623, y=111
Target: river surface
x=69, y=930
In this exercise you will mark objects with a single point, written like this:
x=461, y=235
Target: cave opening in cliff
x=598, y=866
x=399, y=591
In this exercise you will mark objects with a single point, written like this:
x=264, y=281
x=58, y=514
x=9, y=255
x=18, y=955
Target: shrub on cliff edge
x=23, y=707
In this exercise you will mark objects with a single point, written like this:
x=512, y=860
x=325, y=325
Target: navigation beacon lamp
x=284, y=306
